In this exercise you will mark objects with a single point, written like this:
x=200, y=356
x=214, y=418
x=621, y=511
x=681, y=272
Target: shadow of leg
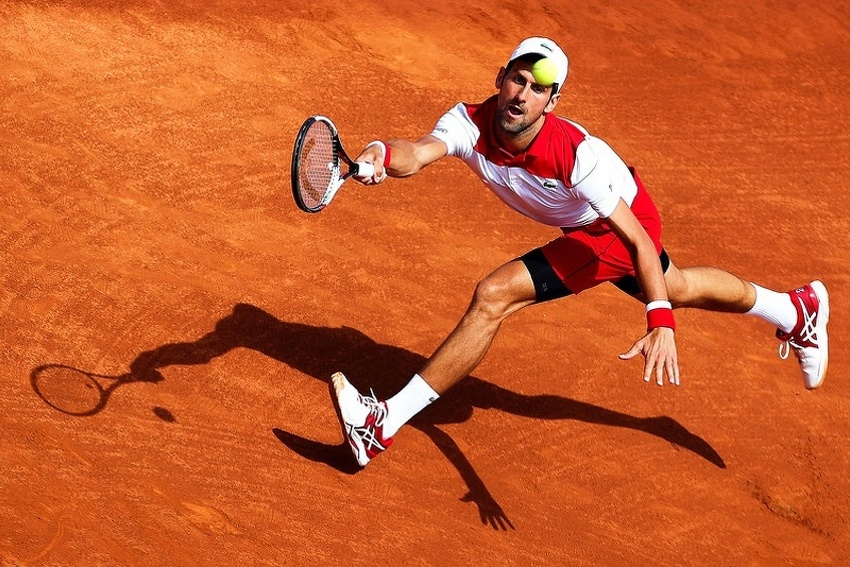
x=335, y=456
x=484, y=395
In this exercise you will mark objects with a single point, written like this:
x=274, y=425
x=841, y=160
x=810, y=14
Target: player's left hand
x=658, y=346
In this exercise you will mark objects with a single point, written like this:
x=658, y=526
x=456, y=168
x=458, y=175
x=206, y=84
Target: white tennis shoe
x=361, y=419
x=809, y=338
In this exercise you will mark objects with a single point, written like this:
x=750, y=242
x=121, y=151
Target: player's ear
x=500, y=77
x=553, y=102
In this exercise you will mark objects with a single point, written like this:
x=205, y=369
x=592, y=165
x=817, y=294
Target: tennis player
x=555, y=172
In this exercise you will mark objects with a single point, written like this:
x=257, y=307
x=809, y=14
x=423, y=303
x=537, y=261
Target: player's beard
x=510, y=124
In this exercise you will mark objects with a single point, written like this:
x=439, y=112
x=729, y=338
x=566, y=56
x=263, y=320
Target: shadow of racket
x=79, y=393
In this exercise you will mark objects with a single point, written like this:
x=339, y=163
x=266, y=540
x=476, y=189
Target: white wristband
x=383, y=158
x=383, y=148
x=658, y=304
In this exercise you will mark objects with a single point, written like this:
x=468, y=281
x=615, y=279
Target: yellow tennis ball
x=544, y=72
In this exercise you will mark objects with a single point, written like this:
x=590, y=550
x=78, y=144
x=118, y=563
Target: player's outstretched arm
x=658, y=346
x=401, y=158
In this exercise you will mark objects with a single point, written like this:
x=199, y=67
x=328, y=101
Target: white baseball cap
x=547, y=48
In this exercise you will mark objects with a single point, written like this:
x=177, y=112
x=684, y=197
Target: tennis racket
x=317, y=165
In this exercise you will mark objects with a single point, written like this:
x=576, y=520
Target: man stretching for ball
x=553, y=171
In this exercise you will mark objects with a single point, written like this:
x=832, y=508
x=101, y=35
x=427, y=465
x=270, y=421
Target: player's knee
x=491, y=298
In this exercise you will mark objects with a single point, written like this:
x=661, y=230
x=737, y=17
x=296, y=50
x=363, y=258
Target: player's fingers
x=632, y=352
x=648, y=368
x=653, y=368
x=377, y=177
x=672, y=374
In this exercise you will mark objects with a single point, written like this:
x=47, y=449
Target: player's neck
x=517, y=143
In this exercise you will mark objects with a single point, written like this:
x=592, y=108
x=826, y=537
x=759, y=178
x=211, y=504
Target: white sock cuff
x=410, y=400
x=774, y=307
x=423, y=388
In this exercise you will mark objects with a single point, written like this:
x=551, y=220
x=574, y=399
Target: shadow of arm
x=490, y=511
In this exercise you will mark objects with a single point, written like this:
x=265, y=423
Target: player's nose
x=524, y=93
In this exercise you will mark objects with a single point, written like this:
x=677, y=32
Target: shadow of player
x=319, y=351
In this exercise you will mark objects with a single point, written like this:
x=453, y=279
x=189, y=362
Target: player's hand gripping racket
x=316, y=165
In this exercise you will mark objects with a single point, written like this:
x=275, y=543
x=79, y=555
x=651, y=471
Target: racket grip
x=363, y=169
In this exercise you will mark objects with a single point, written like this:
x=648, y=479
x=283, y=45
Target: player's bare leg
x=503, y=292
x=368, y=424
x=709, y=288
x=800, y=315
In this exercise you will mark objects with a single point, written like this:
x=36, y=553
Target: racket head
x=69, y=390
x=316, y=170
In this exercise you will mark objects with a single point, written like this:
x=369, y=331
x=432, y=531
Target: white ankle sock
x=775, y=308
x=410, y=400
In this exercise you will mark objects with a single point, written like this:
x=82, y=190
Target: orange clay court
x=170, y=319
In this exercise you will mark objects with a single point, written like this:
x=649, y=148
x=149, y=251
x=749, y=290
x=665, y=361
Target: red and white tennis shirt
x=566, y=178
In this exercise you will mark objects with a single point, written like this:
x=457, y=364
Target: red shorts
x=586, y=256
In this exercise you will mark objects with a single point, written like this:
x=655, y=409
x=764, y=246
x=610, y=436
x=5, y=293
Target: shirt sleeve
x=457, y=130
x=600, y=177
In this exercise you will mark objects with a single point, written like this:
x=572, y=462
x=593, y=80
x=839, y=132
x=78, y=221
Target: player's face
x=522, y=102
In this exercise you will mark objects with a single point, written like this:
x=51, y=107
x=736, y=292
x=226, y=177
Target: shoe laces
x=785, y=349
x=806, y=334
x=376, y=408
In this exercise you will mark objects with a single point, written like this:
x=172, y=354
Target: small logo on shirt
x=550, y=184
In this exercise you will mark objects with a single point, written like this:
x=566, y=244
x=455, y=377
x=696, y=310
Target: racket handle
x=363, y=169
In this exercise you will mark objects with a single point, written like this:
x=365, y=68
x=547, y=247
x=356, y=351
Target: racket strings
x=319, y=164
